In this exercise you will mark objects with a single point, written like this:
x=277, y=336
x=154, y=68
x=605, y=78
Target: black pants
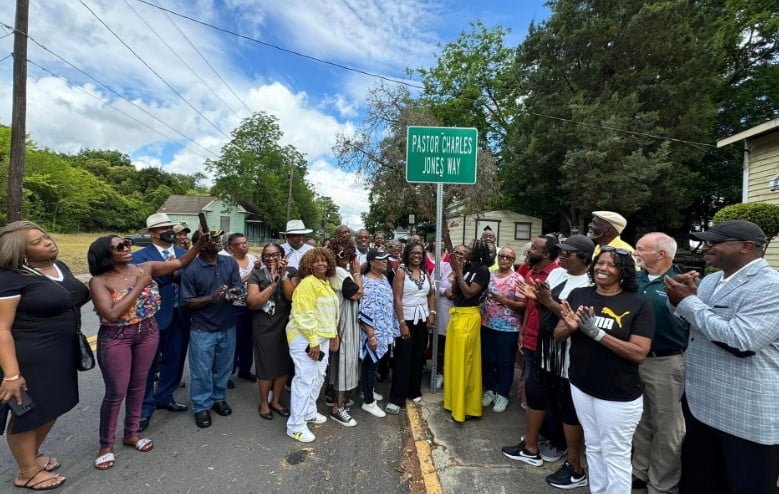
x=368, y=378
x=409, y=360
x=716, y=462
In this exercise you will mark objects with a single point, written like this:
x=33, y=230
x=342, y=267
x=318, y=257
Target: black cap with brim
x=743, y=230
x=579, y=243
x=375, y=254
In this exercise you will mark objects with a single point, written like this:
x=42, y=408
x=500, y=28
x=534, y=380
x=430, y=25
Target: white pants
x=608, y=434
x=309, y=376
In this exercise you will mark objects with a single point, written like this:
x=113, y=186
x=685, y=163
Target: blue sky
x=314, y=102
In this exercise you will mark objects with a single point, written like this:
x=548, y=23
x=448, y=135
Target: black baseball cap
x=579, y=243
x=743, y=230
x=375, y=254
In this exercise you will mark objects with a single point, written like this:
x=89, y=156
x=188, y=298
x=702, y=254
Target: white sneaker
x=417, y=400
x=373, y=409
x=487, y=398
x=392, y=408
x=318, y=419
x=303, y=436
x=377, y=396
x=439, y=381
x=501, y=402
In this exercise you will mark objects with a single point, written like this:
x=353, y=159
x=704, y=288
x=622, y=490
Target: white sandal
x=102, y=460
x=141, y=444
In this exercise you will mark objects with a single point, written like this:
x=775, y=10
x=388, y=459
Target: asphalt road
x=241, y=453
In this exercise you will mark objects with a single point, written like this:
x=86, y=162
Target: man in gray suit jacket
x=732, y=383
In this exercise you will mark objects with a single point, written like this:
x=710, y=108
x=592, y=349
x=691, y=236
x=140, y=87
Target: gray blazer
x=735, y=389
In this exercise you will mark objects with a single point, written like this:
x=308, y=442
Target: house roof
x=176, y=204
x=755, y=131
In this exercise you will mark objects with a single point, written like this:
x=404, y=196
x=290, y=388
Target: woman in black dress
x=269, y=294
x=40, y=302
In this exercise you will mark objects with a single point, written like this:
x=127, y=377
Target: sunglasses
x=619, y=251
x=123, y=246
x=709, y=243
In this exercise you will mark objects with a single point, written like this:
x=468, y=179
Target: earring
x=25, y=261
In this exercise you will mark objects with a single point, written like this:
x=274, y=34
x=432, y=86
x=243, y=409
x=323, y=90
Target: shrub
x=763, y=214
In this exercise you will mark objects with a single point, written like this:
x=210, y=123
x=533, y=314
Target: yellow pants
x=462, y=363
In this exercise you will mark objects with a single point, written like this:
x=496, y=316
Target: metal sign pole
x=439, y=214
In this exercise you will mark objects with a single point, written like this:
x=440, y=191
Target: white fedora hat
x=158, y=220
x=296, y=227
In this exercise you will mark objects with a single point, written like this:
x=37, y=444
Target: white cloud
x=345, y=189
x=391, y=35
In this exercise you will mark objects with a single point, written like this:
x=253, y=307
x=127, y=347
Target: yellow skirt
x=462, y=363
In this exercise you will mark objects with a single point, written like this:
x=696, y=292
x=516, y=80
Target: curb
x=424, y=453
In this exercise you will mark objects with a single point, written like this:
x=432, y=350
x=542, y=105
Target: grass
x=73, y=249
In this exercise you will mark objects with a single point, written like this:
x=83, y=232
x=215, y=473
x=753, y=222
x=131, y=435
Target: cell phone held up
x=321, y=353
x=26, y=406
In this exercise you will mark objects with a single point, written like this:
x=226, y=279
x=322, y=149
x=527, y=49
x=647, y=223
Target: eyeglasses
x=620, y=251
x=274, y=255
x=459, y=254
x=504, y=256
x=123, y=246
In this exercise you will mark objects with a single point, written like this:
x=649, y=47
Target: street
x=241, y=453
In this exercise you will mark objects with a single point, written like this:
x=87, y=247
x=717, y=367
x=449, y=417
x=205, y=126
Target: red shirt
x=532, y=316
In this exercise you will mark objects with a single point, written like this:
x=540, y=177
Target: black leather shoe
x=247, y=376
x=143, y=424
x=222, y=408
x=174, y=406
x=203, y=419
x=230, y=384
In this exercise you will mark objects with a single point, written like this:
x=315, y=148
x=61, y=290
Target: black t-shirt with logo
x=479, y=275
x=595, y=369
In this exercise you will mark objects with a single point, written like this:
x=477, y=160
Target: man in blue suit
x=173, y=324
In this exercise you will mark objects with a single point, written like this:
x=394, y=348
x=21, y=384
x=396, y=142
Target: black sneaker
x=566, y=478
x=519, y=453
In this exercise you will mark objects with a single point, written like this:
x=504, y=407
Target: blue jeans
x=498, y=353
x=210, y=365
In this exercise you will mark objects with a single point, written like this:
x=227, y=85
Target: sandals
x=105, y=462
x=51, y=462
x=144, y=445
x=34, y=487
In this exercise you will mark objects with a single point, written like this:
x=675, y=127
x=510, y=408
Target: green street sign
x=445, y=155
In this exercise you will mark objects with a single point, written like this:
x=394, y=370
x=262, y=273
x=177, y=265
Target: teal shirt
x=669, y=334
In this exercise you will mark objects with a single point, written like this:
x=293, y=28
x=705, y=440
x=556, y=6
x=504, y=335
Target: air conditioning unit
x=774, y=184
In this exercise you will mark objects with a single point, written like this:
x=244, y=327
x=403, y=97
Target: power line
x=285, y=50
x=154, y=71
x=6, y=57
x=110, y=89
x=184, y=35
x=181, y=59
x=616, y=129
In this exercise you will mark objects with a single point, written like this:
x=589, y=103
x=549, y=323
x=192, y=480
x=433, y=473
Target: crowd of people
x=665, y=381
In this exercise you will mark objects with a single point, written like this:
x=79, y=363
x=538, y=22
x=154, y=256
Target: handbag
x=85, y=359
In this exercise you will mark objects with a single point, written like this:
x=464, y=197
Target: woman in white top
x=238, y=247
x=415, y=309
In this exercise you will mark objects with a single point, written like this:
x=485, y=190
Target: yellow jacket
x=314, y=311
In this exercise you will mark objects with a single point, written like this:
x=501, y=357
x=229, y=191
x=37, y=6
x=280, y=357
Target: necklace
x=420, y=283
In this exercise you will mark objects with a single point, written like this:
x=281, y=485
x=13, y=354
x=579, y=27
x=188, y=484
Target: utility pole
x=18, y=113
x=289, y=196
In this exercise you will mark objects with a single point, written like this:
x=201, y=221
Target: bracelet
x=14, y=378
x=433, y=312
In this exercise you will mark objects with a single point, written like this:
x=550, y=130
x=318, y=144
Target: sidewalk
x=467, y=457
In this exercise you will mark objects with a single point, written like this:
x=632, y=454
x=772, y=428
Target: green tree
x=763, y=214
x=471, y=84
x=330, y=215
x=254, y=168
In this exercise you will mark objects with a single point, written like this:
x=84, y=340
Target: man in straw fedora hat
x=296, y=245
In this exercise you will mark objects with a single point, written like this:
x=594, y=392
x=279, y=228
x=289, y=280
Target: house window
x=522, y=230
x=224, y=223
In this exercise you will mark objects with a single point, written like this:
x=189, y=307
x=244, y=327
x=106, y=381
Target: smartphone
x=26, y=406
x=203, y=223
x=321, y=353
